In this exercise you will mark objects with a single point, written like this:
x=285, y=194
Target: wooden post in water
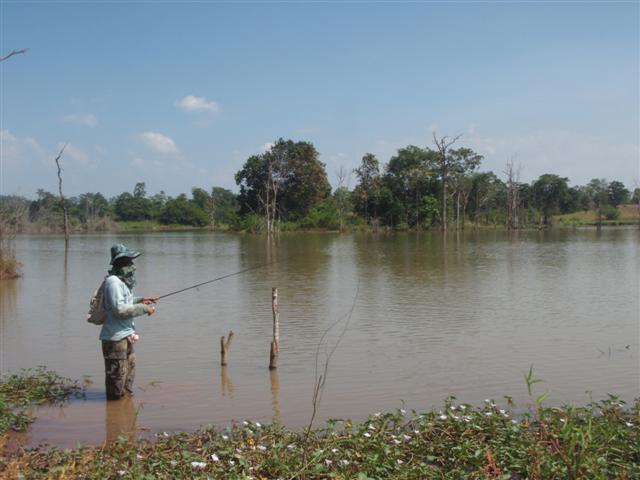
x=224, y=347
x=275, y=343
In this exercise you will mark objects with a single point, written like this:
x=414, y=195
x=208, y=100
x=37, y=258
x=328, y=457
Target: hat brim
x=127, y=254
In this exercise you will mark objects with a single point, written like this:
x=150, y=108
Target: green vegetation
x=597, y=441
x=286, y=188
x=19, y=391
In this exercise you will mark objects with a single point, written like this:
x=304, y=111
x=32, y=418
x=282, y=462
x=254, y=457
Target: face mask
x=127, y=274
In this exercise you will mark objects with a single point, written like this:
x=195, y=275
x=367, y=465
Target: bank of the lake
x=596, y=441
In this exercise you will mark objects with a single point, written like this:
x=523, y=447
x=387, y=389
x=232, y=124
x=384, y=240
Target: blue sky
x=180, y=94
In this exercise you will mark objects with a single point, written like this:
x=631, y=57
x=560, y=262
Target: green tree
x=181, y=211
x=463, y=163
x=410, y=176
x=285, y=181
x=134, y=207
x=617, y=193
x=550, y=192
x=364, y=194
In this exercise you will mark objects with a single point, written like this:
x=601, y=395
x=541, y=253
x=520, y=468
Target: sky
x=180, y=94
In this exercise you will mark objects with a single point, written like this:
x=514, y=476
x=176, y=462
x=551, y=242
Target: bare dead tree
x=512, y=171
x=444, y=163
x=15, y=52
x=343, y=175
x=65, y=210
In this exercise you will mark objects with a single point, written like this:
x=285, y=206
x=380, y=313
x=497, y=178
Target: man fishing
x=118, y=332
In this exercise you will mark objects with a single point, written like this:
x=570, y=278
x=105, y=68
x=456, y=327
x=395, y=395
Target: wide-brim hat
x=120, y=250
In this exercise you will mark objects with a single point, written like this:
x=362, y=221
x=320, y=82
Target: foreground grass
x=597, y=441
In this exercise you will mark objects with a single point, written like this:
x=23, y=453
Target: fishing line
x=216, y=279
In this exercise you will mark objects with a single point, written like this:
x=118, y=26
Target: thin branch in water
x=15, y=52
x=321, y=379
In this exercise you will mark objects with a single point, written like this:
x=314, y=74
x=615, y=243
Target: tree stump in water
x=275, y=343
x=224, y=347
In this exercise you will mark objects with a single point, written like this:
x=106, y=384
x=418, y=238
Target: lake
x=416, y=317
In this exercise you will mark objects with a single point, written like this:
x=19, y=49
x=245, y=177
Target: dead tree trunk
x=513, y=200
x=444, y=161
x=65, y=210
x=224, y=347
x=275, y=343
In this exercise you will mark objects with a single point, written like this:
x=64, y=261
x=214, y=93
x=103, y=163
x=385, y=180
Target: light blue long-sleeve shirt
x=121, y=307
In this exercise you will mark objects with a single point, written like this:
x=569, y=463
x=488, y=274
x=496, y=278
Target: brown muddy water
x=464, y=315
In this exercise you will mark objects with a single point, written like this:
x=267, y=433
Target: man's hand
x=150, y=309
x=149, y=300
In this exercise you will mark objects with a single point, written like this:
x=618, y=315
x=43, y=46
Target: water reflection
x=121, y=419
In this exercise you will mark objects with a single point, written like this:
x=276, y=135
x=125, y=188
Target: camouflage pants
x=119, y=367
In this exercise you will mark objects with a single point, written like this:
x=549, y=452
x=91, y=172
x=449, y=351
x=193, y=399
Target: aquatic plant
x=21, y=390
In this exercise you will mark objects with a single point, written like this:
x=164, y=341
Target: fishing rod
x=215, y=279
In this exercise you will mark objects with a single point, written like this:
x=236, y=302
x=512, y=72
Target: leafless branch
x=65, y=211
x=15, y=52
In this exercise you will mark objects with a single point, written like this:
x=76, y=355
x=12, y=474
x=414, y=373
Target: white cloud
x=74, y=153
x=83, y=119
x=191, y=103
x=159, y=142
x=16, y=150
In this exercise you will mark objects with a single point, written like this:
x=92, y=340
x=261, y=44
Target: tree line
x=287, y=187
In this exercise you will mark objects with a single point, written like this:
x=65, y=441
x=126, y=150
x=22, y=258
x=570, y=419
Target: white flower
x=503, y=412
x=400, y=462
x=138, y=456
x=334, y=450
x=291, y=446
x=406, y=438
x=453, y=407
x=245, y=423
x=121, y=473
x=417, y=432
x=442, y=417
x=455, y=417
x=328, y=462
x=371, y=427
x=515, y=422
x=258, y=424
x=173, y=463
x=397, y=442
x=628, y=424
x=463, y=407
x=488, y=414
x=367, y=434
x=486, y=400
x=563, y=420
x=231, y=462
x=466, y=418
x=199, y=465
x=377, y=414
x=225, y=437
x=262, y=448
x=403, y=411
x=214, y=457
x=344, y=462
